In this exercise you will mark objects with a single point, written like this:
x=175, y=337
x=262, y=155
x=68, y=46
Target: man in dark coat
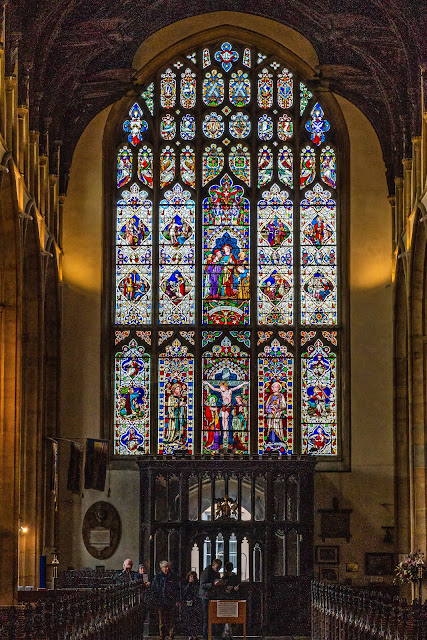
x=165, y=595
x=210, y=585
x=127, y=576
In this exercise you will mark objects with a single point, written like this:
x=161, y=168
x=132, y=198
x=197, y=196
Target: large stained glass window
x=227, y=286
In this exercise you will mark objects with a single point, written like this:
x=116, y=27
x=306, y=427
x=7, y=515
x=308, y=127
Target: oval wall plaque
x=101, y=530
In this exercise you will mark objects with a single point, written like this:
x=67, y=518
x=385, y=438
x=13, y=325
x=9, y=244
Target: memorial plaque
x=227, y=609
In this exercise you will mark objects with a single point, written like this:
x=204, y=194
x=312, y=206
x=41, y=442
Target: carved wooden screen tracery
x=228, y=324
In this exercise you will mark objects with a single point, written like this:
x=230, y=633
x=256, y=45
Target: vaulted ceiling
x=75, y=56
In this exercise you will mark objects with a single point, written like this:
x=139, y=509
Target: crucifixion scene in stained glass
x=227, y=257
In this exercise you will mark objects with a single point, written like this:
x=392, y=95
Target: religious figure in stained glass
x=145, y=166
x=133, y=257
x=136, y=125
x=308, y=166
x=328, y=167
x=176, y=240
x=275, y=272
x=285, y=166
x=318, y=402
x=226, y=254
x=124, y=166
x=275, y=399
x=168, y=127
x=225, y=399
x=176, y=399
x=132, y=406
x=188, y=166
x=265, y=165
x=317, y=126
x=318, y=258
x=167, y=166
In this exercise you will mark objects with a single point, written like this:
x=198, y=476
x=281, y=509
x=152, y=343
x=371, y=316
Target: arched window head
x=229, y=279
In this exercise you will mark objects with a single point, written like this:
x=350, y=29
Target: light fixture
x=23, y=529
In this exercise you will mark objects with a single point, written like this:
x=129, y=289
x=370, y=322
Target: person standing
x=191, y=606
x=142, y=577
x=210, y=585
x=127, y=576
x=231, y=592
x=165, y=595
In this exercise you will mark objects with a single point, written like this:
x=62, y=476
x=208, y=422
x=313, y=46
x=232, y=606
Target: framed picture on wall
x=379, y=564
x=327, y=554
x=329, y=574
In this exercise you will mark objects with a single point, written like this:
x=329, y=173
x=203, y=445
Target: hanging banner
x=96, y=464
x=75, y=467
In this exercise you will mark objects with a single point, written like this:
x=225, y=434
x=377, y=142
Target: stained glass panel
x=213, y=88
x=167, y=166
x=285, y=166
x=136, y=125
x=188, y=127
x=308, y=166
x=188, y=89
x=265, y=127
x=133, y=257
x=225, y=399
x=226, y=254
x=239, y=89
x=317, y=126
x=305, y=97
x=213, y=125
x=124, y=166
x=176, y=399
x=275, y=399
x=145, y=166
x=168, y=89
x=275, y=257
x=265, y=89
x=132, y=400
x=328, y=167
x=239, y=125
x=285, y=127
x=285, y=96
x=318, y=258
x=213, y=162
x=188, y=166
x=318, y=400
x=265, y=165
x=168, y=127
x=176, y=250
x=148, y=95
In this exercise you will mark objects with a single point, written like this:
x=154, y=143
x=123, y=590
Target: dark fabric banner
x=96, y=464
x=75, y=467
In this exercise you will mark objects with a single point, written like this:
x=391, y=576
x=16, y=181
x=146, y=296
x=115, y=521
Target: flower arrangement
x=411, y=569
